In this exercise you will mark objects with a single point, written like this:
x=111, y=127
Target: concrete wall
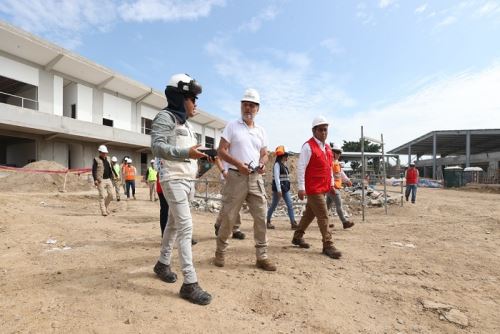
x=46, y=92
x=119, y=110
x=148, y=112
x=53, y=150
x=57, y=100
x=20, y=154
x=84, y=105
x=18, y=71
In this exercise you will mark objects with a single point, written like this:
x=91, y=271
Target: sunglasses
x=192, y=98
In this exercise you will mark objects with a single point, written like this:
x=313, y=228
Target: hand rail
x=22, y=103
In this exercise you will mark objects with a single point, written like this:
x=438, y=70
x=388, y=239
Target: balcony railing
x=19, y=101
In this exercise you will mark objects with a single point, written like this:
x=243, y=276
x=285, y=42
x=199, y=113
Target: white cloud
x=292, y=94
x=421, y=9
x=64, y=22
x=489, y=8
x=167, y=10
x=255, y=23
x=61, y=21
x=447, y=21
x=333, y=46
x=467, y=100
x=386, y=3
x=363, y=14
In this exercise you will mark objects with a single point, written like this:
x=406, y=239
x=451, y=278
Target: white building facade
x=56, y=105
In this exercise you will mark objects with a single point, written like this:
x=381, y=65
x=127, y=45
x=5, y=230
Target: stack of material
x=44, y=176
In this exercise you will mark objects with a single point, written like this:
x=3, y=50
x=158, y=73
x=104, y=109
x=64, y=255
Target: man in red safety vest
x=411, y=176
x=314, y=176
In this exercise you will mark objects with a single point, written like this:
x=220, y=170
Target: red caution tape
x=45, y=171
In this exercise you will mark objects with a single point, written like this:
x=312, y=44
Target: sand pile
x=21, y=181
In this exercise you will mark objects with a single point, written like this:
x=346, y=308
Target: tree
x=355, y=146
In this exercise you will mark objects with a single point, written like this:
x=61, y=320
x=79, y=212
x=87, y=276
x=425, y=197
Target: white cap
x=129, y=160
x=152, y=161
x=336, y=148
x=251, y=95
x=114, y=159
x=103, y=149
x=319, y=120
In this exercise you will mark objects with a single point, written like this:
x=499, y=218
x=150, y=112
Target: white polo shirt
x=245, y=143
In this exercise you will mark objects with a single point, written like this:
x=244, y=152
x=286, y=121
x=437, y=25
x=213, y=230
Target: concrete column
x=467, y=149
x=409, y=154
x=97, y=106
x=46, y=92
x=434, y=152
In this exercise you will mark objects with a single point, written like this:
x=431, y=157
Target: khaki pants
x=315, y=208
x=240, y=188
x=117, y=184
x=105, y=189
x=237, y=223
x=152, y=190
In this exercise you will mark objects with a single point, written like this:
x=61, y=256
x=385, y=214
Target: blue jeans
x=130, y=184
x=289, y=205
x=413, y=189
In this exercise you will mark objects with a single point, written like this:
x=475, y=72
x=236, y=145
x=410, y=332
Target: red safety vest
x=318, y=172
x=412, y=176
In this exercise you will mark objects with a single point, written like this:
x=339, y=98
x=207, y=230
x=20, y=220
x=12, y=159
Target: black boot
x=164, y=273
x=194, y=293
x=294, y=225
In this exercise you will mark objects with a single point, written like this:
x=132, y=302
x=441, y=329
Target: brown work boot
x=219, y=259
x=331, y=225
x=300, y=242
x=347, y=224
x=266, y=265
x=270, y=226
x=332, y=252
x=294, y=225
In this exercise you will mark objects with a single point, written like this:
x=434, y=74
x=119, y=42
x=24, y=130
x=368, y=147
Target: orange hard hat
x=280, y=150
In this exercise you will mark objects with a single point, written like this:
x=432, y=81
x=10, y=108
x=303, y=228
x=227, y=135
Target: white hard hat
x=335, y=147
x=103, y=149
x=184, y=84
x=152, y=161
x=319, y=120
x=129, y=160
x=114, y=159
x=342, y=164
x=251, y=95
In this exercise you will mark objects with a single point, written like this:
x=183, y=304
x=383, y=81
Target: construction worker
x=314, y=176
x=151, y=180
x=174, y=142
x=116, y=169
x=411, y=176
x=281, y=187
x=129, y=173
x=123, y=165
x=103, y=176
x=339, y=177
x=237, y=233
x=243, y=146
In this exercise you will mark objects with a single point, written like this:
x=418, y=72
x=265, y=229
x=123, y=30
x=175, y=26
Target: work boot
x=347, y=224
x=238, y=235
x=270, y=226
x=219, y=259
x=216, y=227
x=134, y=197
x=294, y=225
x=266, y=264
x=331, y=225
x=164, y=273
x=194, y=242
x=300, y=242
x=195, y=294
x=332, y=252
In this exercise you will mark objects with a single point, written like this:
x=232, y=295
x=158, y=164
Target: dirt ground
x=97, y=277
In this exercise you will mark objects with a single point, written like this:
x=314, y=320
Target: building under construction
x=56, y=105
x=437, y=150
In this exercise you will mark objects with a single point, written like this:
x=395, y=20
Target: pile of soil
x=39, y=181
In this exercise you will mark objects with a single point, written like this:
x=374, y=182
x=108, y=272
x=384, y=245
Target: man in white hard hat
x=339, y=177
x=243, y=146
x=129, y=173
x=103, y=175
x=116, y=170
x=173, y=141
x=314, y=176
x=151, y=174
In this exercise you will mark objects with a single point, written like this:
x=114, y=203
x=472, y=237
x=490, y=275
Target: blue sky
x=401, y=68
